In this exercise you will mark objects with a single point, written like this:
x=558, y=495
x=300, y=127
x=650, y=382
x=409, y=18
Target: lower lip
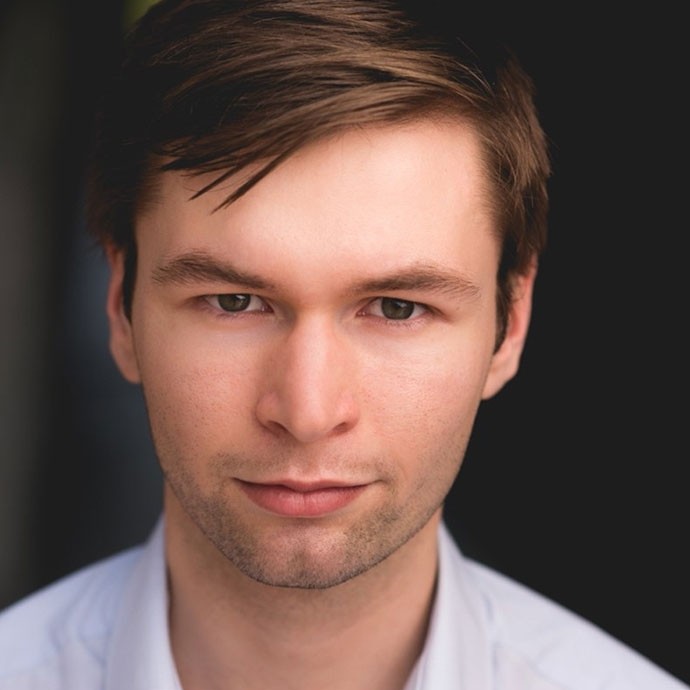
x=286, y=502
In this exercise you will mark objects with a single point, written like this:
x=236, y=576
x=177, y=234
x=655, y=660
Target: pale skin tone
x=310, y=420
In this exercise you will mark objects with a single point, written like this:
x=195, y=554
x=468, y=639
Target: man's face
x=313, y=356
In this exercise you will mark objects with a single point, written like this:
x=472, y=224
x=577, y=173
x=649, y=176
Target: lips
x=301, y=500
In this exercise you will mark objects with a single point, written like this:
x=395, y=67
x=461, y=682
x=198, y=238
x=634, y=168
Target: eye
x=396, y=309
x=234, y=302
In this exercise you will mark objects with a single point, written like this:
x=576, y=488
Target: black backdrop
x=574, y=482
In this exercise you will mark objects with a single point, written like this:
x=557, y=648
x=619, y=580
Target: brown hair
x=216, y=85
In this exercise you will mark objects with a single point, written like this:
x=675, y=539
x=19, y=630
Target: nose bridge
x=311, y=394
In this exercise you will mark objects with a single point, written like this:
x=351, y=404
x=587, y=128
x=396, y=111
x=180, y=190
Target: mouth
x=301, y=499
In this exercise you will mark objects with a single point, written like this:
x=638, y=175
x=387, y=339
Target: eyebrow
x=194, y=267
x=423, y=277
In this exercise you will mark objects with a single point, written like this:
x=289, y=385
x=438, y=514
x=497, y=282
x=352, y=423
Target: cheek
x=428, y=406
x=194, y=395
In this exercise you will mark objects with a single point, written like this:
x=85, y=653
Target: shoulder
x=63, y=626
x=540, y=644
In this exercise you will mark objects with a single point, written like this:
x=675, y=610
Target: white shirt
x=105, y=628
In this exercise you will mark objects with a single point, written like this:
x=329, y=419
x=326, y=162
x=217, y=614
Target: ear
x=121, y=336
x=506, y=360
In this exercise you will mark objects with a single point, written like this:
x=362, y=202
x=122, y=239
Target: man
x=323, y=220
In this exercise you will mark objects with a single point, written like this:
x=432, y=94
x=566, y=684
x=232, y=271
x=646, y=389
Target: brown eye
x=397, y=309
x=233, y=302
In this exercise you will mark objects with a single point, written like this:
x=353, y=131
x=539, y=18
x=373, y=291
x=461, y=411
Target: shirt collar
x=139, y=657
x=456, y=653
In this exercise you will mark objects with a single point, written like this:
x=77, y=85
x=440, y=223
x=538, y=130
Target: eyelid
x=415, y=315
x=372, y=307
x=212, y=301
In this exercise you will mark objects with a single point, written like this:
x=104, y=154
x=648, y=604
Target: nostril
x=342, y=428
x=305, y=428
x=276, y=428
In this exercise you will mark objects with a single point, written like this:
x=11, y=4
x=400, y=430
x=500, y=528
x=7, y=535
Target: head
x=227, y=86
x=302, y=165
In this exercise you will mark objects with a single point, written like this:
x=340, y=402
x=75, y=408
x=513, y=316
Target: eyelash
x=211, y=302
x=416, y=307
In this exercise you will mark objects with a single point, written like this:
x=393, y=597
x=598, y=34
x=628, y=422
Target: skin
x=308, y=440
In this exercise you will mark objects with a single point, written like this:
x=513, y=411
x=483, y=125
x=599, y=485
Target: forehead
x=373, y=191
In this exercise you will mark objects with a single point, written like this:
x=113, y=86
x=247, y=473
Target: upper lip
x=304, y=486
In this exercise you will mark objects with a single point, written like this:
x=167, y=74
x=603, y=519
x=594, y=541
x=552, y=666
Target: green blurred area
x=133, y=9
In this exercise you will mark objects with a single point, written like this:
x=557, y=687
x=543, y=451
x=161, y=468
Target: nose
x=309, y=389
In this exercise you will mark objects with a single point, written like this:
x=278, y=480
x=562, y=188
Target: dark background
x=575, y=481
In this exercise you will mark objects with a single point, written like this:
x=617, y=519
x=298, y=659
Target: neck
x=229, y=632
